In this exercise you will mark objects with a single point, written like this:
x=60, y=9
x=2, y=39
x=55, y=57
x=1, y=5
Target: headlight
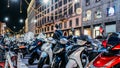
x=63, y=41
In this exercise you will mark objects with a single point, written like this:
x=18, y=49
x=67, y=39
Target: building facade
x=65, y=13
x=31, y=16
x=3, y=29
x=100, y=12
x=26, y=25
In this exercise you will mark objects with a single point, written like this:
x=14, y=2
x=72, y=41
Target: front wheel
x=30, y=61
x=84, y=59
x=55, y=63
x=41, y=62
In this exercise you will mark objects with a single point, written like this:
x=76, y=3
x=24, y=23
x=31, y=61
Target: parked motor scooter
x=111, y=57
x=47, y=53
x=35, y=52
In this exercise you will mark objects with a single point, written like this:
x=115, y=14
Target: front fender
x=71, y=64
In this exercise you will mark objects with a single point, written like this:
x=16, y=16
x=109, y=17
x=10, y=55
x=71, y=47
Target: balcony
x=49, y=22
x=64, y=18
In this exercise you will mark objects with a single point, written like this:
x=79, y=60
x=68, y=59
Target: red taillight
x=101, y=30
x=104, y=43
x=117, y=47
x=39, y=43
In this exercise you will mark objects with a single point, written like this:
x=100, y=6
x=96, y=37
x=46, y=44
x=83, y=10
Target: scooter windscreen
x=58, y=49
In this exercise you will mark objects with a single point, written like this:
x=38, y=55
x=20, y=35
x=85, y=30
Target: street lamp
x=76, y=1
x=35, y=21
x=45, y=1
x=21, y=20
x=14, y=27
x=6, y=19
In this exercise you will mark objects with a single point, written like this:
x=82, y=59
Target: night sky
x=13, y=12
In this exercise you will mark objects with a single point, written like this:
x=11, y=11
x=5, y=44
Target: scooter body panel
x=47, y=48
x=106, y=61
x=76, y=57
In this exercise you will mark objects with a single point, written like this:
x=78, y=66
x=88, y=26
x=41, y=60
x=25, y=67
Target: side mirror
x=104, y=43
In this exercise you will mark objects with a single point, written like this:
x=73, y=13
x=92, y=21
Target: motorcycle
x=35, y=52
x=109, y=58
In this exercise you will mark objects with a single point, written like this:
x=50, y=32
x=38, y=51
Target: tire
x=84, y=59
x=55, y=63
x=31, y=60
x=41, y=62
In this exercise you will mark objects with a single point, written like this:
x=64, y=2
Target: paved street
x=25, y=61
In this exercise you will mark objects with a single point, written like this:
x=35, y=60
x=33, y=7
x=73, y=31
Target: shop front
x=77, y=32
x=87, y=31
x=96, y=31
x=110, y=28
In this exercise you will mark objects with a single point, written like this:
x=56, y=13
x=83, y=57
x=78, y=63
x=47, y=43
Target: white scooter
x=47, y=54
x=78, y=59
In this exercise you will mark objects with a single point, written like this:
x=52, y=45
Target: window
x=52, y=27
x=60, y=25
x=87, y=2
x=70, y=23
x=77, y=5
x=70, y=10
x=52, y=8
x=48, y=18
x=60, y=3
x=77, y=21
x=45, y=19
x=45, y=29
x=60, y=13
x=52, y=18
x=65, y=25
x=56, y=0
x=65, y=10
x=56, y=15
x=47, y=10
x=56, y=6
x=42, y=30
x=97, y=0
x=52, y=1
x=48, y=28
x=65, y=1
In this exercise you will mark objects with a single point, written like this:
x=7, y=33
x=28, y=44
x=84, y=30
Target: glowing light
x=76, y=1
x=21, y=20
x=45, y=1
x=14, y=27
x=6, y=19
x=35, y=21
